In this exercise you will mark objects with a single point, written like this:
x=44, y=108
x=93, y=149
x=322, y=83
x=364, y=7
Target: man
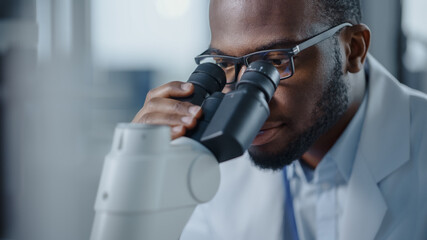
x=353, y=139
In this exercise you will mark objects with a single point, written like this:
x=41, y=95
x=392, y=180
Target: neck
x=324, y=143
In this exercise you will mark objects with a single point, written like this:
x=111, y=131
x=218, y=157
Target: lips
x=268, y=126
x=267, y=133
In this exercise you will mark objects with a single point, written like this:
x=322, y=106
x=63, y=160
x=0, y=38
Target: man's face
x=304, y=106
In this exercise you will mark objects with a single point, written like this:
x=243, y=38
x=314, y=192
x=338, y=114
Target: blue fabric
x=319, y=195
x=289, y=210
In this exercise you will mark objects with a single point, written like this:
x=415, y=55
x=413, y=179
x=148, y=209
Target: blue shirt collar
x=345, y=148
x=341, y=156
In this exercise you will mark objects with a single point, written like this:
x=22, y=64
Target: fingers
x=162, y=118
x=171, y=90
x=161, y=109
x=172, y=106
x=177, y=131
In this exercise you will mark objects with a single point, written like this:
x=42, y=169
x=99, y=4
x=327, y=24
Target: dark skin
x=242, y=27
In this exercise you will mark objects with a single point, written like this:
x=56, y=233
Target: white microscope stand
x=149, y=186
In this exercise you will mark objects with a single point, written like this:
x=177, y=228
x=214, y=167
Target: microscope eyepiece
x=209, y=76
x=263, y=76
x=242, y=112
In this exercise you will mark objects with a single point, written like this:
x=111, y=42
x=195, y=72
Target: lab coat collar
x=383, y=148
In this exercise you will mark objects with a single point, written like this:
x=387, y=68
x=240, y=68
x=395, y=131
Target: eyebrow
x=281, y=43
x=211, y=50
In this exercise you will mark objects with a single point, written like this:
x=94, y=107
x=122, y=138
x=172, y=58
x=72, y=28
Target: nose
x=241, y=71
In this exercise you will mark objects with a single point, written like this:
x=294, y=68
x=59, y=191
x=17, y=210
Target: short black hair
x=336, y=12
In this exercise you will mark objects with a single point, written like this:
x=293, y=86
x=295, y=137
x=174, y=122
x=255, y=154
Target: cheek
x=293, y=105
x=296, y=98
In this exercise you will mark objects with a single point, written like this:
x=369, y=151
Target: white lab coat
x=387, y=190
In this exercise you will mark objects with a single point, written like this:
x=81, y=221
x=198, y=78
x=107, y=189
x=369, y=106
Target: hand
x=160, y=109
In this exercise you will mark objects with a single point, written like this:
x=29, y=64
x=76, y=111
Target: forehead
x=241, y=26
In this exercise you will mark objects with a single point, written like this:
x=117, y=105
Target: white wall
x=414, y=19
x=164, y=35
x=58, y=132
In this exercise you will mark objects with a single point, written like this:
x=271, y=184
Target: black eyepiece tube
x=242, y=112
x=254, y=76
x=207, y=78
x=209, y=107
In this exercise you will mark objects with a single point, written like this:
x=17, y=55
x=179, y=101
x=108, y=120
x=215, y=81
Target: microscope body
x=150, y=186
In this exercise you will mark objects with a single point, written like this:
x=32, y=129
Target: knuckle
x=177, y=106
x=149, y=95
x=155, y=104
x=150, y=104
x=172, y=118
x=145, y=118
x=149, y=118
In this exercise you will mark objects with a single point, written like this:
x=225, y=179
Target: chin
x=284, y=150
x=272, y=156
x=268, y=161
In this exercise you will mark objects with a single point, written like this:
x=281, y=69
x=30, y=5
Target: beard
x=331, y=106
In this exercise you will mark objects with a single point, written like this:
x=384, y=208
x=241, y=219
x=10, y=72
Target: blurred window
x=414, y=18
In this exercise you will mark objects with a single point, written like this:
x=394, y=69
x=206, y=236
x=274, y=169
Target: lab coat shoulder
x=405, y=190
x=387, y=192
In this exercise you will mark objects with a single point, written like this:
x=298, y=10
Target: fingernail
x=187, y=119
x=194, y=110
x=177, y=128
x=186, y=86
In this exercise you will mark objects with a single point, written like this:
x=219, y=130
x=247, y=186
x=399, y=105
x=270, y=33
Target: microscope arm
x=149, y=186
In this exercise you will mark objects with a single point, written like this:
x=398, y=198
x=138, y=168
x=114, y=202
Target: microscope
x=151, y=185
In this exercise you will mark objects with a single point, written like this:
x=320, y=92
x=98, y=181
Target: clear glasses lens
x=279, y=59
x=226, y=64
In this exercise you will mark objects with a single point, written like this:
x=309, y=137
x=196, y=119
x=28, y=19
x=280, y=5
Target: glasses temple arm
x=318, y=38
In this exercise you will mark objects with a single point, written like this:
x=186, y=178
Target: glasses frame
x=291, y=52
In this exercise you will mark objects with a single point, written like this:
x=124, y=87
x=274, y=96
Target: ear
x=356, y=41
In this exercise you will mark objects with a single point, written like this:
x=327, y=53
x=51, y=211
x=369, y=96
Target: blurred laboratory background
x=70, y=70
